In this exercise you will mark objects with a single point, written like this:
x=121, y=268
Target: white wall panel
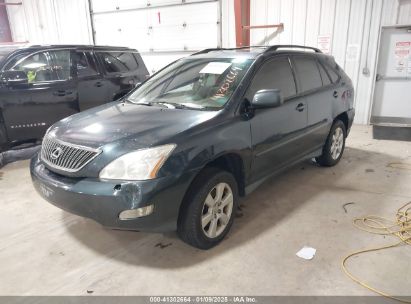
x=352, y=24
x=50, y=21
x=228, y=23
x=404, y=14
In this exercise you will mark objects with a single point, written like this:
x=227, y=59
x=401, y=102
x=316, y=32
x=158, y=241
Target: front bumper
x=103, y=200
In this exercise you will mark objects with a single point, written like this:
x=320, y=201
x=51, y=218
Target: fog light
x=135, y=213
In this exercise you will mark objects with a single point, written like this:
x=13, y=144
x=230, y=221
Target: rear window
x=307, y=73
x=117, y=62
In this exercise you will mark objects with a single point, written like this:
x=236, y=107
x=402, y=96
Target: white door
x=161, y=30
x=392, y=95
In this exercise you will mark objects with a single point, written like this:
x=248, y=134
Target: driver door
x=277, y=133
x=50, y=95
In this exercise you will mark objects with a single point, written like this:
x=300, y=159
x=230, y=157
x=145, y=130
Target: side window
x=115, y=62
x=307, y=73
x=85, y=64
x=324, y=76
x=61, y=64
x=274, y=74
x=38, y=67
x=334, y=76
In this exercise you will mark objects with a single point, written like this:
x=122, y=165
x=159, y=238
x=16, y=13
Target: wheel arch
x=344, y=118
x=231, y=162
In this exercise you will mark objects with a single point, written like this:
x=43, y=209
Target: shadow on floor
x=274, y=201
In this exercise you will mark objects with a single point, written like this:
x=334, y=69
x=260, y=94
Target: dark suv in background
x=40, y=85
x=176, y=153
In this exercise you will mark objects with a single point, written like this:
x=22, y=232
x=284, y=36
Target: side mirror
x=137, y=85
x=267, y=99
x=14, y=78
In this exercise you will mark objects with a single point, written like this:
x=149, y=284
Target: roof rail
x=276, y=47
x=228, y=49
x=268, y=48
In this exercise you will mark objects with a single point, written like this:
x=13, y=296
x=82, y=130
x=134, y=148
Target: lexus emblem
x=56, y=153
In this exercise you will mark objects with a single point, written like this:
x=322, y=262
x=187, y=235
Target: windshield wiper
x=142, y=103
x=175, y=105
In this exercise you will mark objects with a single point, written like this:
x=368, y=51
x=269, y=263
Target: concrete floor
x=46, y=251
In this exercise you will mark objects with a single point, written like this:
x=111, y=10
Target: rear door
x=121, y=71
x=51, y=94
x=315, y=85
x=93, y=88
x=277, y=133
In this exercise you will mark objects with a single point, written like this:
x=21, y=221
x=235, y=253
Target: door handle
x=300, y=107
x=98, y=84
x=60, y=93
x=335, y=94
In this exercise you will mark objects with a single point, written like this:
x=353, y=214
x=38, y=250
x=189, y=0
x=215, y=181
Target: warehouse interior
x=46, y=251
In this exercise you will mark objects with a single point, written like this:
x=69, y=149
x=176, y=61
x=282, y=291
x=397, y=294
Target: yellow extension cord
x=400, y=228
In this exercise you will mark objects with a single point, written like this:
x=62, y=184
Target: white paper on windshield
x=215, y=68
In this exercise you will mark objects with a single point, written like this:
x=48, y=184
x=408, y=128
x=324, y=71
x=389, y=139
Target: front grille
x=65, y=156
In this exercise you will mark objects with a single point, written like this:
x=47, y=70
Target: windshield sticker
x=215, y=68
x=228, y=81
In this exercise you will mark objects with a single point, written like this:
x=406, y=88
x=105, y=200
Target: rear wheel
x=334, y=146
x=208, y=210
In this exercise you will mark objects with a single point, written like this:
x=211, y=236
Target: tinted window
x=274, y=74
x=307, y=73
x=324, y=76
x=334, y=76
x=38, y=67
x=85, y=64
x=115, y=62
x=61, y=63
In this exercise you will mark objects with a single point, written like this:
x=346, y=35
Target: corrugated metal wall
x=50, y=21
x=352, y=27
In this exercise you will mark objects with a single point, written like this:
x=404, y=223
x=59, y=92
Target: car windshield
x=193, y=83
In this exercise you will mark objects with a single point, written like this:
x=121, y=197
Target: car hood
x=127, y=125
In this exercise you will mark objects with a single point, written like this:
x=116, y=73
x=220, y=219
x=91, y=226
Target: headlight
x=138, y=165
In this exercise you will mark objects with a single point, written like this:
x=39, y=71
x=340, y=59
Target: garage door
x=160, y=30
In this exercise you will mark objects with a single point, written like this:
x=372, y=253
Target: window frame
x=101, y=61
x=52, y=61
x=260, y=66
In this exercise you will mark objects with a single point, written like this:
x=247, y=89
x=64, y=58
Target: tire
x=195, y=209
x=334, y=146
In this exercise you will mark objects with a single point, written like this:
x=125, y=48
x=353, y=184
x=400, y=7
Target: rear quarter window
x=333, y=75
x=324, y=76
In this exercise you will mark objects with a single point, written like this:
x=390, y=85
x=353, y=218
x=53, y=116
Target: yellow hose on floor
x=400, y=228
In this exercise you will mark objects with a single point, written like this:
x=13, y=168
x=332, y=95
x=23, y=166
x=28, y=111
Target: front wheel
x=334, y=146
x=208, y=211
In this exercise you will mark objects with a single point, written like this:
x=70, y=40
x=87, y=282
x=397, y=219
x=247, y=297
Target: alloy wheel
x=337, y=142
x=217, y=210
